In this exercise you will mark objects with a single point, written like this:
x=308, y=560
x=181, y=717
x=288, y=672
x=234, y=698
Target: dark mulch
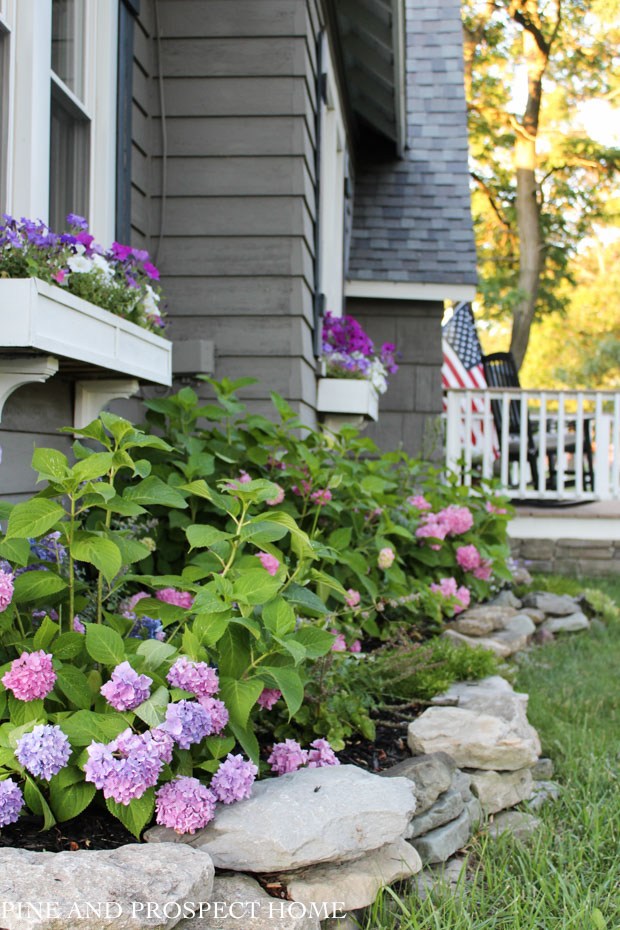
x=91, y=830
x=388, y=747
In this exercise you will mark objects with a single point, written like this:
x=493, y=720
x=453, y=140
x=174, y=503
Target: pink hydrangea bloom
x=78, y=626
x=432, y=529
x=30, y=677
x=6, y=589
x=134, y=599
x=268, y=697
x=484, y=571
x=340, y=643
x=274, y=501
x=217, y=711
x=468, y=557
x=464, y=597
x=269, y=562
x=128, y=766
x=196, y=677
x=184, y=805
x=126, y=689
x=321, y=754
x=458, y=519
x=353, y=598
x=355, y=646
x=287, y=757
x=234, y=779
x=385, y=558
x=446, y=586
x=419, y=501
x=178, y=598
x=244, y=478
x=491, y=508
x=321, y=497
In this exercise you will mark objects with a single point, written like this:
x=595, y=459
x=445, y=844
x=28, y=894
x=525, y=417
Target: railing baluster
x=505, y=440
x=453, y=430
x=487, y=433
x=468, y=437
x=542, y=445
x=615, y=442
x=561, y=454
x=602, y=441
x=523, y=446
x=579, y=447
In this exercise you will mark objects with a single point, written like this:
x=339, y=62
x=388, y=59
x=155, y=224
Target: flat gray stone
x=475, y=740
x=520, y=575
x=461, y=782
x=543, y=769
x=517, y=633
x=330, y=814
x=506, y=598
x=497, y=791
x=440, y=844
x=521, y=826
x=237, y=902
x=450, y=876
x=501, y=650
x=543, y=793
x=431, y=775
x=572, y=623
x=536, y=615
x=448, y=806
x=497, y=615
x=473, y=626
x=459, y=693
x=558, y=605
x=348, y=886
x=105, y=888
x=475, y=811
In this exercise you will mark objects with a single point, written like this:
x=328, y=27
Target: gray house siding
x=237, y=254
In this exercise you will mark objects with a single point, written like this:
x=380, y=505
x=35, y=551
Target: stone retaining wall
x=569, y=556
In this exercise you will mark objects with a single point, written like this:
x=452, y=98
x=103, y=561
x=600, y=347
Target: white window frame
x=332, y=194
x=29, y=23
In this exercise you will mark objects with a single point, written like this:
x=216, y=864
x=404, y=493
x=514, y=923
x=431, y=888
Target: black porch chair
x=501, y=372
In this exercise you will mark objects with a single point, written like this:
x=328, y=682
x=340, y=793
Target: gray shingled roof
x=412, y=218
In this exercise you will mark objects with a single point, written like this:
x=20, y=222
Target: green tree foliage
x=540, y=181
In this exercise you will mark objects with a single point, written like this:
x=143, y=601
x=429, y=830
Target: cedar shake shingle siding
x=412, y=219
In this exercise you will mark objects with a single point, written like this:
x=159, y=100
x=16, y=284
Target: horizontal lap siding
x=143, y=101
x=237, y=258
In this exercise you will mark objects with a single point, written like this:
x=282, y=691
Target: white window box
x=348, y=397
x=45, y=318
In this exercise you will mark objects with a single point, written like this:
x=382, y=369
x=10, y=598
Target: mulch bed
x=91, y=830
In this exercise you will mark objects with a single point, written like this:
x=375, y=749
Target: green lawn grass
x=568, y=877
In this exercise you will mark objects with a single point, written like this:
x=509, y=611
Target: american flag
x=462, y=364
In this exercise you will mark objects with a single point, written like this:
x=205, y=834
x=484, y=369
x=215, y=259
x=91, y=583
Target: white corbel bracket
x=15, y=372
x=92, y=396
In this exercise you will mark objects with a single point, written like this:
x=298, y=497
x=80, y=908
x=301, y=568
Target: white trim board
x=564, y=528
x=409, y=290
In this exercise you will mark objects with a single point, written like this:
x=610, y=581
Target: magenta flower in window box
x=348, y=352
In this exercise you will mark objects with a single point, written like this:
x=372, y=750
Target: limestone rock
x=543, y=769
x=520, y=825
x=106, y=888
x=520, y=575
x=542, y=637
x=476, y=813
x=461, y=782
x=238, y=902
x=506, y=598
x=440, y=844
x=474, y=740
x=558, y=605
x=460, y=692
x=473, y=626
x=536, y=615
x=448, y=806
x=497, y=614
x=517, y=633
x=431, y=775
x=445, y=876
x=497, y=791
x=351, y=885
x=330, y=814
x=568, y=624
x=543, y=792
x=501, y=650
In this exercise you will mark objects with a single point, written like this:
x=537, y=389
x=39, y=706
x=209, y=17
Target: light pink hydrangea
x=31, y=677
x=353, y=598
x=126, y=689
x=448, y=588
x=468, y=558
x=6, y=589
x=274, y=501
x=419, y=501
x=458, y=519
x=134, y=599
x=492, y=508
x=244, y=478
x=234, y=779
x=432, y=529
x=269, y=562
x=321, y=755
x=287, y=757
x=355, y=646
x=78, y=626
x=386, y=558
x=177, y=598
x=184, y=805
x=321, y=497
x=268, y=697
x=196, y=677
x=218, y=712
x=484, y=571
x=340, y=643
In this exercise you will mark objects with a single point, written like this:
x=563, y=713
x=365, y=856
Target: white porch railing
x=542, y=445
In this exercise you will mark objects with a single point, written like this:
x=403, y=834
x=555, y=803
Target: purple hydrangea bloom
x=44, y=751
x=268, y=697
x=187, y=722
x=126, y=689
x=128, y=766
x=78, y=626
x=30, y=677
x=48, y=549
x=218, y=712
x=184, y=805
x=287, y=757
x=11, y=802
x=6, y=589
x=321, y=754
x=196, y=677
x=234, y=779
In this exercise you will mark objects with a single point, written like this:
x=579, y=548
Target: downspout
x=321, y=99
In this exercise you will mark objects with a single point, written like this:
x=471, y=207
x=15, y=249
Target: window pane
x=69, y=161
x=68, y=43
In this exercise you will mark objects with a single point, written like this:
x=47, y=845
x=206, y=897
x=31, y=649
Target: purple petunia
x=44, y=751
x=11, y=802
x=234, y=779
x=187, y=722
x=126, y=689
x=31, y=677
x=184, y=805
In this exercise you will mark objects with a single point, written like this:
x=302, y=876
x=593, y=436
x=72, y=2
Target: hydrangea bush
x=120, y=279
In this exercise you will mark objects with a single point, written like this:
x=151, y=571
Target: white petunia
x=80, y=265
